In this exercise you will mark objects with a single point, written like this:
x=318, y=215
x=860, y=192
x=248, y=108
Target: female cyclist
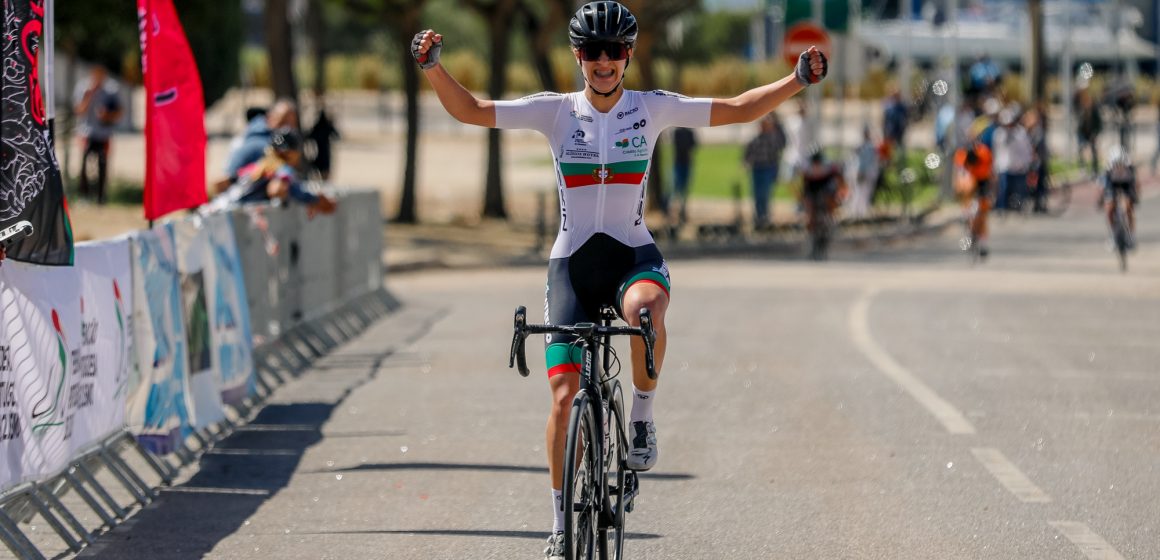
x=602, y=139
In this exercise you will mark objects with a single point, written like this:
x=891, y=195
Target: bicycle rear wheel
x=581, y=475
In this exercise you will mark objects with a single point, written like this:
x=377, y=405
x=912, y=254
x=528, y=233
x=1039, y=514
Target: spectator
x=762, y=155
x=1089, y=128
x=1013, y=157
x=895, y=119
x=274, y=177
x=684, y=140
x=98, y=107
x=283, y=113
x=865, y=176
x=1035, y=122
x=799, y=138
x=320, y=136
x=984, y=76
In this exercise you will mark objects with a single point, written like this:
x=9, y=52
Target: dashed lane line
x=1010, y=476
x=859, y=325
x=1092, y=545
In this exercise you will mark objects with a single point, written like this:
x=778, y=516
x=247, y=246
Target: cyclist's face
x=602, y=73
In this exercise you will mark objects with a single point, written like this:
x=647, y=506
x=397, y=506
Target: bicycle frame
x=594, y=397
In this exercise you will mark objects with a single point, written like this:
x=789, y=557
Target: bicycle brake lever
x=518, y=356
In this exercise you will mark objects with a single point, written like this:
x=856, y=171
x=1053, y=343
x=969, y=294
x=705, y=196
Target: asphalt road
x=891, y=404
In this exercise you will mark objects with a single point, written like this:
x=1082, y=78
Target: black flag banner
x=33, y=212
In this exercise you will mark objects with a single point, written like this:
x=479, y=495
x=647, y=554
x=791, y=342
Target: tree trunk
x=408, y=202
x=498, y=16
x=645, y=65
x=540, y=33
x=280, y=48
x=1038, y=74
x=316, y=27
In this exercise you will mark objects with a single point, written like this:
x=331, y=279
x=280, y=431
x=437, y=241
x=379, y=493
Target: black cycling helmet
x=285, y=139
x=815, y=154
x=602, y=21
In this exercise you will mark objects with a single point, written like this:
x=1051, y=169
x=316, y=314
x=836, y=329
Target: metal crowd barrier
x=312, y=284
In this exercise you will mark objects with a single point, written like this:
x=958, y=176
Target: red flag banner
x=34, y=223
x=175, y=113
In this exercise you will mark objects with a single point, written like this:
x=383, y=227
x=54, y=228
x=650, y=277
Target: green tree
x=498, y=14
x=105, y=32
x=653, y=18
x=402, y=18
x=280, y=48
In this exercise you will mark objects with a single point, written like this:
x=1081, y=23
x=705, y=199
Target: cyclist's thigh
x=649, y=268
x=561, y=307
x=578, y=285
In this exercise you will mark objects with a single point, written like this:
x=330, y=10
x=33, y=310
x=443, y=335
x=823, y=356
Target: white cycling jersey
x=602, y=159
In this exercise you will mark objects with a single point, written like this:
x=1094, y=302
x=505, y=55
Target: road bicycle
x=599, y=489
x=1121, y=236
x=969, y=242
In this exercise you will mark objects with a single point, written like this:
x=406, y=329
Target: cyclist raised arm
x=602, y=138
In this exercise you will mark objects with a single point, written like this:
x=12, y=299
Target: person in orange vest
x=973, y=179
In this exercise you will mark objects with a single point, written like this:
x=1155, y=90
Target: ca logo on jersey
x=635, y=142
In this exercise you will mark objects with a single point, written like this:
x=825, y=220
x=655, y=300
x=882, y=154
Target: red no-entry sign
x=802, y=36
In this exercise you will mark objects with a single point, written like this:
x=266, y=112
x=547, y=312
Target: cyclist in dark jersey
x=602, y=139
x=1120, y=177
x=822, y=183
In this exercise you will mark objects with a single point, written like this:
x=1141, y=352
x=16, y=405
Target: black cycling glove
x=804, y=74
x=431, y=57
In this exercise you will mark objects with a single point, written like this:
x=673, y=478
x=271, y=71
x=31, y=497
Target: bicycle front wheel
x=611, y=539
x=581, y=475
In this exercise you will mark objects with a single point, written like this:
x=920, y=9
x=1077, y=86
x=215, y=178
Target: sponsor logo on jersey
x=622, y=114
x=578, y=138
x=635, y=126
x=542, y=94
x=634, y=142
x=664, y=93
x=579, y=117
x=578, y=153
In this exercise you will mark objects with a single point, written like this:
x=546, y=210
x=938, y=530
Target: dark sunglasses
x=590, y=52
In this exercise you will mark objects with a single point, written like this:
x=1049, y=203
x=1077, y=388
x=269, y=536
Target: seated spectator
x=252, y=145
x=273, y=178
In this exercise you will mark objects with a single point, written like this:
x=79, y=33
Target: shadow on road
x=233, y=480
x=383, y=467
x=537, y=535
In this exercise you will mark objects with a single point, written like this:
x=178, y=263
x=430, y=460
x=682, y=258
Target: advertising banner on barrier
x=159, y=407
x=233, y=355
x=65, y=358
x=195, y=268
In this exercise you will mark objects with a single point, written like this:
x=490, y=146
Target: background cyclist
x=601, y=138
x=973, y=175
x=1120, y=177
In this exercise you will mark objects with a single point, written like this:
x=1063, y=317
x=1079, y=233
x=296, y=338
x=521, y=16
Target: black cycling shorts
x=1126, y=187
x=597, y=274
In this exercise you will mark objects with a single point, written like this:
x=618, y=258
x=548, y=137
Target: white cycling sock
x=558, y=509
x=642, y=405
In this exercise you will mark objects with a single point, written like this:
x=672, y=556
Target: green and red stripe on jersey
x=563, y=358
x=588, y=174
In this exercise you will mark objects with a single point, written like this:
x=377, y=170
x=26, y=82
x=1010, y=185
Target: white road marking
x=1010, y=476
x=211, y=490
x=1092, y=545
x=859, y=325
